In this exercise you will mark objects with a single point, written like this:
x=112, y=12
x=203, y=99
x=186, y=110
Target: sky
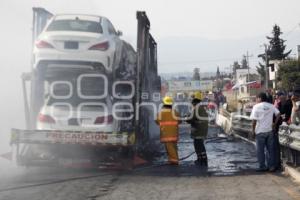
x=213, y=20
x=190, y=33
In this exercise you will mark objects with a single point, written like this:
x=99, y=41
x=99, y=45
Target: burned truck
x=83, y=92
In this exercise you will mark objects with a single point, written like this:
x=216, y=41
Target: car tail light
x=43, y=45
x=46, y=119
x=101, y=46
x=104, y=119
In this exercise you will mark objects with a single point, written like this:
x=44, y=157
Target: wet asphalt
x=226, y=156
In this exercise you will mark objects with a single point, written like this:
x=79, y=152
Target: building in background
x=188, y=87
x=246, y=83
x=273, y=71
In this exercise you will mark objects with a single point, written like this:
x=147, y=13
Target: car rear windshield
x=75, y=25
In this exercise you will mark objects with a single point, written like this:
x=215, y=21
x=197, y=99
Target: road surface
x=230, y=175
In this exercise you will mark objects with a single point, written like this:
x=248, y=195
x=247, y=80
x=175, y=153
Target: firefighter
x=168, y=121
x=199, y=128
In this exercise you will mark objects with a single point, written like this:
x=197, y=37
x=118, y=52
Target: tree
x=289, y=75
x=274, y=51
x=235, y=66
x=244, y=63
x=277, y=46
x=218, y=74
x=196, y=75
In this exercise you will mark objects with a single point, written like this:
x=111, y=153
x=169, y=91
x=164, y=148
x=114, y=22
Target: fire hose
x=210, y=139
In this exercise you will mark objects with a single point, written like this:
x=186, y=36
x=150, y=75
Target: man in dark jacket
x=269, y=96
x=285, y=107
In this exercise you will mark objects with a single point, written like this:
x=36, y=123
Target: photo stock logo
x=92, y=100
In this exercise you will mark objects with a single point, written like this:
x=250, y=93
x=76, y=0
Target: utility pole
x=298, y=57
x=248, y=65
x=267, y=67
x=230, y=69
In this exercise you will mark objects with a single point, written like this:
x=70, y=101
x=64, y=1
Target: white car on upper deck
x=79, y=38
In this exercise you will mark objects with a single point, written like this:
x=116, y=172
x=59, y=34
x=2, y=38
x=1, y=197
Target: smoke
x=15, y=54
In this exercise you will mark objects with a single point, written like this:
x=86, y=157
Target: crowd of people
x=287, y=103
x=268, y=114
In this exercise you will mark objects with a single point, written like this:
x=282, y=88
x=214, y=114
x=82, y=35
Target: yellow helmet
x=168, y=100
x=198, y=95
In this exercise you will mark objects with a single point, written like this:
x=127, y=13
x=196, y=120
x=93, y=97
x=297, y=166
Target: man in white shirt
x=262, y=128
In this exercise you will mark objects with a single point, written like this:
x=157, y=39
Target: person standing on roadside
x=295, y=116
x=277, y=99
x=269, y=96
x=262, y=128
x=284, y=106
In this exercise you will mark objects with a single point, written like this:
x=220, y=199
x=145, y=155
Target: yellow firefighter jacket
x=168, y=125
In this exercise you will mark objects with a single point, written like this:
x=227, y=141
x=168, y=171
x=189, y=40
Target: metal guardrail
x=242, y=126
x=289, y=137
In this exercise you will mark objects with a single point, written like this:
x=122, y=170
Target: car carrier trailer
x=92, y=148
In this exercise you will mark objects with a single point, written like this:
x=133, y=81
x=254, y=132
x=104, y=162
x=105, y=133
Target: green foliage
x=235, y=66
x=277, y=46
x=289, y=74
x=244, y=63
x=275, y=51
